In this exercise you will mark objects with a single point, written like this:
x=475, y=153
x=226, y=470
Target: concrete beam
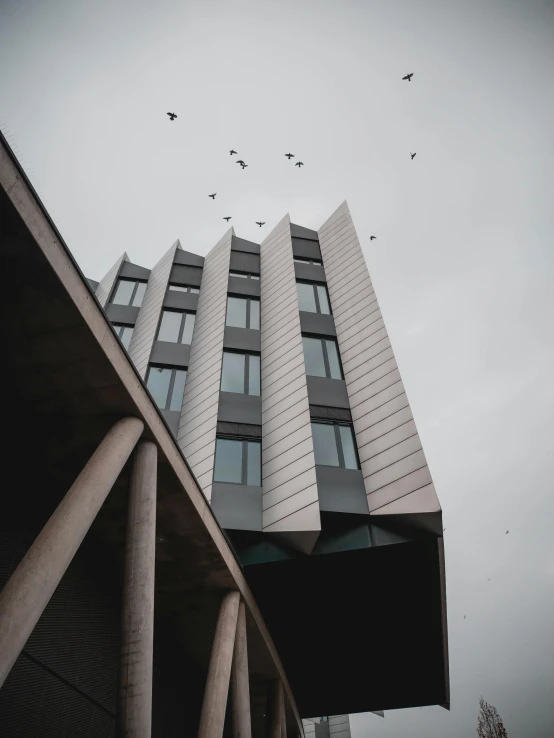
x=240, y=682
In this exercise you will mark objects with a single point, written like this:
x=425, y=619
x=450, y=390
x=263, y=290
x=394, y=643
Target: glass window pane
x=158, y=384
x=348, y=447
x=254, y=464
x=255, y=276
x=170, y=326
x=333, y=356
x=188, y=327
x=195, y=290
x=178, y=288
x=126, y=334
x=306, y=297
x=325, y=446
x=123, y=292
x=323, y=300
x=238, y=274
x=178, y=389
x=313, y=357
x=139, y=294
x=255, y=315
x=254, y=375
x=232, y=378
x=236, y=312
x=228, y=461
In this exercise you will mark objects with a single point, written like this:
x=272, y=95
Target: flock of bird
x=289, y=156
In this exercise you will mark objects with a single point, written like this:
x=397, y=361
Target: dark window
x=129, y=292
x=321, y=357
x=167, y=386
x=238, y=461
x=183, y=288
x=176, y=326
x=244, y=275
x=241, y=373
x=243, y=313
x=305, y=260
x=124, y=332
x=313, y=298
x=334, y=445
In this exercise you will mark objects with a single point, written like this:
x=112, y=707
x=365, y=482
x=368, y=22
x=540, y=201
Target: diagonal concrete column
x=275, y=709
x=212, y=717
x=240, y=682
x=29, y=589
x=135, y=674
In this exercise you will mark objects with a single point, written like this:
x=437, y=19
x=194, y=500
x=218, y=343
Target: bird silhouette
x=240, y=161
x=372, y=238
x=299, y=164
x=243, y=166
x=507, y=532
x=409, y=76
x=260, y=223
x=227, y=217
x=172, y=116
x=412, y=155
x=464, y=617
x=232, y=152
x=289, y=156
x=213, y=195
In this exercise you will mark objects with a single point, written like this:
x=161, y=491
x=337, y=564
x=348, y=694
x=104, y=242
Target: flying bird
x=227, y=217
x=409, y=76
x=260, y=223
x=372, y=238
x=412, y=155
x=213, y=195
x=289, y=156
x=507, y=532
x=172, y=116
x=299, y=164
x=232, y=152
x=240, y=161
x=243, y=166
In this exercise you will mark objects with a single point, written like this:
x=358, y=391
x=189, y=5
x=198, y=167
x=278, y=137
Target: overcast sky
x=463, y=261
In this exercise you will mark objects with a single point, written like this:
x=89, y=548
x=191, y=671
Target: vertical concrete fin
x=392, y=460
x=288, y=477
x=107, y=282
x=149, y=313
x=198, y=422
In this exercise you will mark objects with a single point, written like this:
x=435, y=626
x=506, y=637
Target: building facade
x=273, y=368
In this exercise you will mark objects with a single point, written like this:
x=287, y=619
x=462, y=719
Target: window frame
x=314, y=286
x=182, y=325
x=326, y=362
x=338, y=442
x=244, y=275
x=188, y=288
x=133, y=293
x=307, y=260
x=119, y=328
x=171, y=385
x=246, y=385
x=249, y=300
x=244, y=440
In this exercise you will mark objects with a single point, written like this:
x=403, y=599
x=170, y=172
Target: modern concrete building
x=279, y=465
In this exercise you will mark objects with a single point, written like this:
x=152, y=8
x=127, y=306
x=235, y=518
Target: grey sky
x=463, y=264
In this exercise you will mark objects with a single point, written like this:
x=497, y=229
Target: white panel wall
x=393, y=463
x=198, y=424
x=290, y=501
x=339, y=726
x=140, y=347
x=107, y=282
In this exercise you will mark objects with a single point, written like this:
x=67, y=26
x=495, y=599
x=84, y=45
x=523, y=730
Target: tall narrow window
x=313, y=298
x=240, y=373
x=176, y=326
x=243, y=312
x=321, y=357
x=166, y=386
x=125, y=333
x=238, y=461
x=334, y=445
x=129, y=292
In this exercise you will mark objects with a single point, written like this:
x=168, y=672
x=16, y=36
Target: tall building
x=273, y=368
x=218, y=514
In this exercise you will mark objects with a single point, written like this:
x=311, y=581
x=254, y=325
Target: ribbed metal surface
x=198, y=424
x=392, y=460
x=106, y=284
x=290, y=500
